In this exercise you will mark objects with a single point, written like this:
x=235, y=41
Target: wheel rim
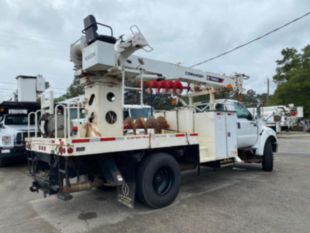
x=163, y=181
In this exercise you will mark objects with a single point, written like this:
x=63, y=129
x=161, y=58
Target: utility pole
x=268, y=90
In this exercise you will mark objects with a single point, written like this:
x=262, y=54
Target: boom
x=106, y=53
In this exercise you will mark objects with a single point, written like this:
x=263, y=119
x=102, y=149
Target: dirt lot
x=241, y=199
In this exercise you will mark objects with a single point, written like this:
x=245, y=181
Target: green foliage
x=293, y=79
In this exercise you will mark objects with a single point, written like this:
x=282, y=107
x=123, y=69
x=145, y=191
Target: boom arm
x=101, y=54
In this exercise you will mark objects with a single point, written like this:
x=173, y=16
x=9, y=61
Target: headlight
x=6, y=140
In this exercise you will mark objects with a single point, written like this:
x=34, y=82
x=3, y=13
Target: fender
x=265, y=134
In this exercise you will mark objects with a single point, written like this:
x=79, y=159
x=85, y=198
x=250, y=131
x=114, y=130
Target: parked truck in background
x=280, y=117
x=14, y=127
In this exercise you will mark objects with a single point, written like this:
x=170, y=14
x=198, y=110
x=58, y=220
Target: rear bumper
x=14, y=152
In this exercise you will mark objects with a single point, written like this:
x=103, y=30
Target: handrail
x=69, y=121
x=55, y=115
x=29, y=119
x=36, y=122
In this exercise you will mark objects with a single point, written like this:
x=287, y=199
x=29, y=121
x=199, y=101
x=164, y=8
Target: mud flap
x=126, y=191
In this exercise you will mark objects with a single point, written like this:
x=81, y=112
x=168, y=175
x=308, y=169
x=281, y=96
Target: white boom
x=102, y=56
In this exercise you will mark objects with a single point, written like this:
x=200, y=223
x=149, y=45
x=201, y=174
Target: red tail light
x=70, y=150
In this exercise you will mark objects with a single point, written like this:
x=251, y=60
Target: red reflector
x=107, y=139
x=75, y=128
x=218, y=113
x=80, y=140
x=70, y=150
x=194, y=134
x=180, y=135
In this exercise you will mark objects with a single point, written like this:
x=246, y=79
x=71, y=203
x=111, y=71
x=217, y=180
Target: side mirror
x=1, y=126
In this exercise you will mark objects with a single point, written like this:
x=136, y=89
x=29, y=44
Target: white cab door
x=247, y=130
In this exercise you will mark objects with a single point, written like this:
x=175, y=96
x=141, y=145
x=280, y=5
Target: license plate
x=5, y=151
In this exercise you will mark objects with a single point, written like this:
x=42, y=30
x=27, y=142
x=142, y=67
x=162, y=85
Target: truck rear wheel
x=267, y=162
x=158, y=180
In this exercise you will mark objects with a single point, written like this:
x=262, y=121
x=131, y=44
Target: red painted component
x=179, y=135
x=293, y=113
x=218, y=113
x=154, y=84
x=83, y=140
x=177, y=85
x=149, y=85
x=107, y=139
x=161, y=85
x=194, y=134
x=75, y=128
x=70, y=150
x=62, y=150
x=169, y=84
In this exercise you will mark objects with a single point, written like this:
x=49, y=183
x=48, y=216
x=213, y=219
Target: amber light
x=229, y=86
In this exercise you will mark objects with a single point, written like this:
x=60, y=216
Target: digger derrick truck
x=148, y=164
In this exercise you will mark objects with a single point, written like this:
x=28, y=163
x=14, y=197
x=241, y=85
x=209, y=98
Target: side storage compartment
x=217, y=135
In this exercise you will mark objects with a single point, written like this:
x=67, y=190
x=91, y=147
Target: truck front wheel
x=267, y=162
x=158, y=180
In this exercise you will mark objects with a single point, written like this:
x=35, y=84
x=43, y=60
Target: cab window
x=242, y=112
x=219, y=107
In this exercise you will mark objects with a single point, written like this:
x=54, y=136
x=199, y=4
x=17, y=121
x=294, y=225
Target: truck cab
x=137, y=111
x=251, y=133
x=14, y=130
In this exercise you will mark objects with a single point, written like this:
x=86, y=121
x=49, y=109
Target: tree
x=293, y=79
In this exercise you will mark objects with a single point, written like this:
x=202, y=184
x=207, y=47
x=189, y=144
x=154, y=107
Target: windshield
x=74, y=113
x=141, y=112
x=17, y=120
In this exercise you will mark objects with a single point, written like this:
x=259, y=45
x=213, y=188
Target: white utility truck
x=280, y=117
x=146, y=165
x=14, y=120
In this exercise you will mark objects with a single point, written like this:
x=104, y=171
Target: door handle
x=238, y=125
x=254, y=124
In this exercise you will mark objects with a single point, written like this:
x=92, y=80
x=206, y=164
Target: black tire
x=158, y=180
x=267, y=162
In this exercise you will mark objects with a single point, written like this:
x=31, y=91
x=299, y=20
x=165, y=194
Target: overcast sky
x=35, y=35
